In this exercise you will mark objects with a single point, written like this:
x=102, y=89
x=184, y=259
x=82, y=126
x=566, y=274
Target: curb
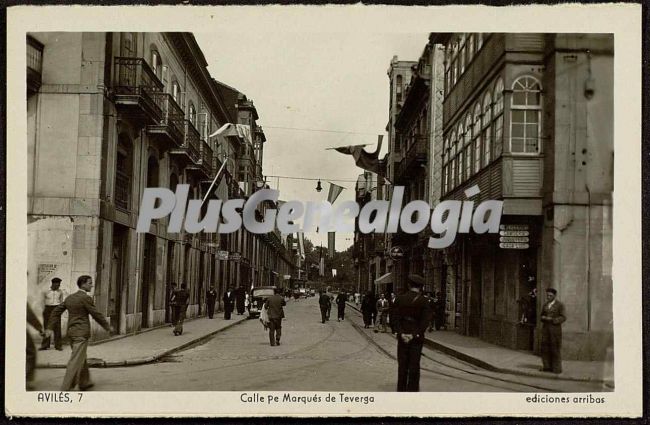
x=492, y=368
x=98, y=363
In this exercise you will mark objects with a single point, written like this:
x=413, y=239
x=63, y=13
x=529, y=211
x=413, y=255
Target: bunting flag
x=237, y=130
x=334, y=192
x=366, y=160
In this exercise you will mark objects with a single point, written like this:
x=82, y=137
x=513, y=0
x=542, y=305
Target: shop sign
x=513, y=227
x=514, y=233
x=513, y=239
x=513, y=245
x=235, y=256
x=222, y=255
x=396, y=253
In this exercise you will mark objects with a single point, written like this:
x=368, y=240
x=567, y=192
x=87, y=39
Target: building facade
x=110, y=114
x=528, y=118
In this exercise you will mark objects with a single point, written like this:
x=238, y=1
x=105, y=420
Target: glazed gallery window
x=498, y=117
x=477, y=137
x=192, y=113
x=487, y=128
x=525, y=115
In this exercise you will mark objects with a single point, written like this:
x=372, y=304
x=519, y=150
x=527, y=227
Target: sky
x=312, y=80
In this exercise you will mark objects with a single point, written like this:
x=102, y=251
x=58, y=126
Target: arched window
x=479, y=41
x=191, y=112
x=156, y=64
x=176, y=91
x=487, y=128
x=525, y=115
x=477, y=137
x=498, y=118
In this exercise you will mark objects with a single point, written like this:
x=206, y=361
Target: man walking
x=228, y=303
x=211, y=298
x=324, y=303
x=274, y=306
x=240, y=300
x=551, y=346
x=181, y=300
x=340, y=303
x=411, y=315
x=51, y=298
x=79, y=305
x=382, y=309
x=172, y=302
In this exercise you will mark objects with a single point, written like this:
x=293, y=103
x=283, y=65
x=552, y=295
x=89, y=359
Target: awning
x=387, y=278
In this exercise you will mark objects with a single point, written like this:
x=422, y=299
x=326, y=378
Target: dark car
x=259, y=296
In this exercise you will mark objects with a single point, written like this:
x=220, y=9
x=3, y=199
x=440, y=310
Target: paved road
x=313, y=357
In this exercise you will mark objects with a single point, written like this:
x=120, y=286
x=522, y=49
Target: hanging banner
x=331, y=242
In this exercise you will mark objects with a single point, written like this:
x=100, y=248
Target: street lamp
x=319, y=187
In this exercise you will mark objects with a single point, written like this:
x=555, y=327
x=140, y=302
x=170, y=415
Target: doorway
x=148, y=277
x=119, y=257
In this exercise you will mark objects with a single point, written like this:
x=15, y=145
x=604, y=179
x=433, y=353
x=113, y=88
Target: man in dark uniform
x=324, y=303
x=181, y=297
x=551, y=346
x=211, y=297
x=412, y=315
x=240, y=300
x=228, y=303
x=274, y=306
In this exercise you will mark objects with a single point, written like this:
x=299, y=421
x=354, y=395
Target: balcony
x=170, y=130
x=414, y=156
x=34, y=65
x=136, y=87
x=204, y=164
x=191, y=146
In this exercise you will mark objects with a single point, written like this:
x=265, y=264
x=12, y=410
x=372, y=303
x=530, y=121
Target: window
x=470, y=48
x=487, y=128
x=525, y=115
x=479, y=41
x=192, y=113
x=477, y=137
x=454, y=151
x=156, y=64
x=498, y=118
x=128, y=44
x=399, y=88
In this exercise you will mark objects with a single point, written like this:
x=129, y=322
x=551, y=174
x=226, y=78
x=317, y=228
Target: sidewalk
x=500, y=359
x=143, y=347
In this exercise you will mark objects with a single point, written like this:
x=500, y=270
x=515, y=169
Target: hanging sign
x=235, y=256
x=511, y=245
x=222, y=255
x=396, y=253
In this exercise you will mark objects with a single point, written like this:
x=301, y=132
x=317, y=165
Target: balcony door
x=129, y=45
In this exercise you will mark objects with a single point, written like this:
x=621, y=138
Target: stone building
x=416, y=165
x=529, y=119
x=109, y=114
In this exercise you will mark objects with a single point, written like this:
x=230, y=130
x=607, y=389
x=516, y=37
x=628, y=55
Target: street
x=312, y=357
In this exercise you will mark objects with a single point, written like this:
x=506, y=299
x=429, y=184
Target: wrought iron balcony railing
x=171, y=123
x=136, y=84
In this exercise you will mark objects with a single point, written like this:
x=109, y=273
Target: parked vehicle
x=259, y=295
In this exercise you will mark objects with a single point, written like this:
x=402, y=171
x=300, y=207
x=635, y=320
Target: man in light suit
x=79, y=305
x=551, y=346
